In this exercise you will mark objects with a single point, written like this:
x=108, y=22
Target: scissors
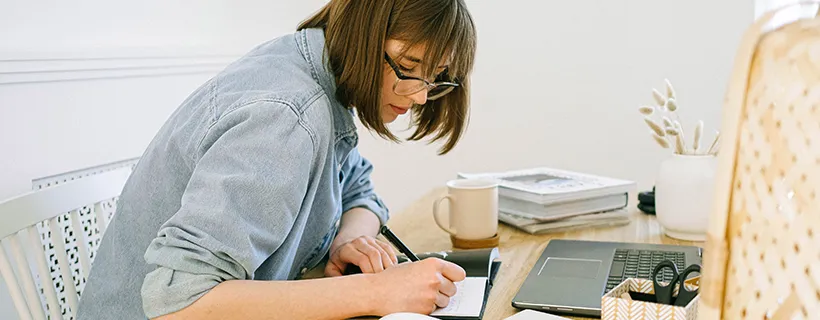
x=663, y=293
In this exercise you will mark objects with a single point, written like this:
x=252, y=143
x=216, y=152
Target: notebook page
x=468, y=301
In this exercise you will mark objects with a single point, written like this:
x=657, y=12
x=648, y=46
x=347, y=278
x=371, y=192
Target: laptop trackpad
x=570, y=268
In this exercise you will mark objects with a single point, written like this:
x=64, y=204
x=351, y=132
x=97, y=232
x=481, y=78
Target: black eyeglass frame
x=428, y=85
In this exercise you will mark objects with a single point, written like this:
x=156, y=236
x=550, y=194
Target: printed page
x=468, y=301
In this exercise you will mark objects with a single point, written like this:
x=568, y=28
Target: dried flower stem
x=679, y=147
x=654, y=126
x=681, y=135
x=661, y=141
x=671, y=105
x=666, y=126
x=659, y=97
x=698, y=133
x=714, y=147
x=667, y=123
x=670, y=91
x=646, y=110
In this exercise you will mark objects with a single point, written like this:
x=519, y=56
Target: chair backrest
x=63, y=212
x=762, y=256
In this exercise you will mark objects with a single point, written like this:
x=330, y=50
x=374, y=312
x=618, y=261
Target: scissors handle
x=663, y=294
x=684, y=294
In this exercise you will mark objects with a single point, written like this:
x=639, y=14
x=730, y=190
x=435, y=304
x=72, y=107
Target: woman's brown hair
x=355, y=34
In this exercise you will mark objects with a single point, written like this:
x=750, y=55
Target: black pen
x=387, y=233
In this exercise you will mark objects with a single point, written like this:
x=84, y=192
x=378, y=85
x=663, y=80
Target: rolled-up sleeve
x=357, y=190
x=237, y=209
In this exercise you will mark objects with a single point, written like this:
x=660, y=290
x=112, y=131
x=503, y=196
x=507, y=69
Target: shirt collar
x=312, y=44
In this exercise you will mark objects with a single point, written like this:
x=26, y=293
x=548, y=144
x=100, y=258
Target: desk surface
x=519, y=250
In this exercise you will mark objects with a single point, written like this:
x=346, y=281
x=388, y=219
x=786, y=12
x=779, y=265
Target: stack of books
x=545, y=200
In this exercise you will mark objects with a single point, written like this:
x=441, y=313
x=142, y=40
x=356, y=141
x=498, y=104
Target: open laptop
x=571, y=275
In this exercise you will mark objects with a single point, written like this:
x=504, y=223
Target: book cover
x=595, y=220
x=548, y=185
x=563, y=209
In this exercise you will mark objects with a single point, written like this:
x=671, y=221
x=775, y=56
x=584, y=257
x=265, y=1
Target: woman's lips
x=399, y=110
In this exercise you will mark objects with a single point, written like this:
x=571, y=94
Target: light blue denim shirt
x=247, y=180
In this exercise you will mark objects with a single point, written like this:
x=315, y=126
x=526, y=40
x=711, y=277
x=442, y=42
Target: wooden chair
x=42, y=217
x=762, y=257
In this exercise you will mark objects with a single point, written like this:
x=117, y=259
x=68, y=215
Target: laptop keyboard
x=639, y=264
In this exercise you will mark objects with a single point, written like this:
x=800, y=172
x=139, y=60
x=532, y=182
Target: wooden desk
x=519, y=250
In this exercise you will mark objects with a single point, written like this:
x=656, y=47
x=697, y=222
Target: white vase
x=683, y=195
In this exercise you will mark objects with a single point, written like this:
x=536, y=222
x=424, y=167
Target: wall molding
x=52, y=67
x=53, y=180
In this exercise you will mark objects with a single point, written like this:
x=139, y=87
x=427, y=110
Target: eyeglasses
x=406, y=85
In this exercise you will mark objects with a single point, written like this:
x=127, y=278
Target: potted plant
x=684, y=182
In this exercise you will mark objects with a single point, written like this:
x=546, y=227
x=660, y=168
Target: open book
x=481, y=266
x=470, y=301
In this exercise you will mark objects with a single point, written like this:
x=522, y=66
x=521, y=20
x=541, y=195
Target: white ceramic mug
x=473, y=209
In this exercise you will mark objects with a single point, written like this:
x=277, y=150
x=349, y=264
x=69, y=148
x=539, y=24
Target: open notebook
x=481, y=266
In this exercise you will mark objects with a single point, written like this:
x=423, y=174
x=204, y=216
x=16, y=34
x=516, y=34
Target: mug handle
x=436, y=214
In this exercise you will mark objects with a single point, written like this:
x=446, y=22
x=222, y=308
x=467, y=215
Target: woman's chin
x=389, y=117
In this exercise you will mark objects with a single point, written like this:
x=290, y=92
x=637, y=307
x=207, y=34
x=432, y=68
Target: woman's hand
x=418, y=287
x=371, y=255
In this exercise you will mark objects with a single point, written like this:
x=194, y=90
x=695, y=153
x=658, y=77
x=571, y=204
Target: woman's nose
x=420, y=97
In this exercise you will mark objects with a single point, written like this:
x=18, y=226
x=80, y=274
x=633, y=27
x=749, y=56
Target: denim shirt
x=248, y=179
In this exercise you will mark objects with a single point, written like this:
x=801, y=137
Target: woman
x=256, y=178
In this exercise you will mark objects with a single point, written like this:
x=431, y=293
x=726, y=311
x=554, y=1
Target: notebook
x=470, y=300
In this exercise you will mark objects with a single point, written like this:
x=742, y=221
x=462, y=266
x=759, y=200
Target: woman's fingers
x=350, y=254
x=447, y=287
x=441, y=300
x=372, y=253
x=388, y=256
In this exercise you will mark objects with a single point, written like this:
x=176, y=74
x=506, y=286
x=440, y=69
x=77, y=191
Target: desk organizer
x=614, y=307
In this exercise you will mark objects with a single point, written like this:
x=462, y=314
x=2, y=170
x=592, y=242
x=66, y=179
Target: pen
x=387, y=233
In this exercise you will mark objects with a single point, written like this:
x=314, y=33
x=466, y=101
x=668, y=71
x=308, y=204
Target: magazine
x=548, y=185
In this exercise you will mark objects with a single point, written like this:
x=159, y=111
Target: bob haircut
x=355, y=35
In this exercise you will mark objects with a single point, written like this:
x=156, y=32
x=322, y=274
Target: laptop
x=571, y=275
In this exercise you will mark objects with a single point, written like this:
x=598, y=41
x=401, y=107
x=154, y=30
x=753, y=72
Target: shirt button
x=338, y=222
x=304, y=270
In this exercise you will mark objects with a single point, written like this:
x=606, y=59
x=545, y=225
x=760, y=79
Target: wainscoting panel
x=66, y=68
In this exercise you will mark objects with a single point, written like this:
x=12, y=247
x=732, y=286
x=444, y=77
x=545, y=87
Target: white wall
x=557, y=83
x=56, y=115
x=48, y=127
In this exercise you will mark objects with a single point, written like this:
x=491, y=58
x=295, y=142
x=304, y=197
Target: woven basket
x=615, y=307
x=762, y=257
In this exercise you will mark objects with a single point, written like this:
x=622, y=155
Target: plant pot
x=683, y=195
